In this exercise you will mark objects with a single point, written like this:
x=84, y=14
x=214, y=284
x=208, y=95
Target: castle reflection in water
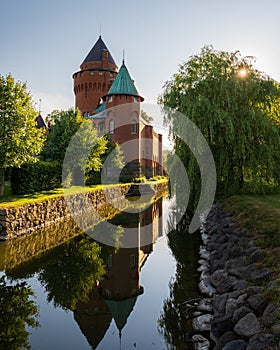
x=115, y=296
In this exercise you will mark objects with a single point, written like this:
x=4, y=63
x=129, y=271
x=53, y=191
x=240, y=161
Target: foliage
x=237, y=110
x=20, y=140
x=64, y=125
x=72, y=275
x=116, y=161
x=35, y=177
x=17, y=311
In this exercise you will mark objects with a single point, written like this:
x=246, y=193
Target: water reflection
x=98, y=283
x=175, y=322
x=17, y=311
x=116, y=294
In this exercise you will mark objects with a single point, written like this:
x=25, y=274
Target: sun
x=242, y=72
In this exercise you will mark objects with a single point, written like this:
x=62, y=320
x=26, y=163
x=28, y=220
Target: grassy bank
x=259, y=216
x=10, y=199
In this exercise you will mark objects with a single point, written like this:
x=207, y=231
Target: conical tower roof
x=123, y=84
x=95, y=53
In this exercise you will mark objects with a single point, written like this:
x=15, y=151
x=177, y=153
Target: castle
x=109, y=97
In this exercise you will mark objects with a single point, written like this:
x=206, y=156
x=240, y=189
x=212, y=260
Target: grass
x=259, y=217
x=11, y=200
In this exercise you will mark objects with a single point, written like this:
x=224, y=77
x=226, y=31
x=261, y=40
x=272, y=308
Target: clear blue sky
x=44, y=42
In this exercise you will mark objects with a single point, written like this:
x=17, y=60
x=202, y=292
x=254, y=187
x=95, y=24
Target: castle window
x=110, y=99
x=86, y=91
x=132, y=260
x=91, y=72
x=134, y=127
x=101, y=127
x=81, y=74
x=111, y=126
x=135, y=99
x=100, y=73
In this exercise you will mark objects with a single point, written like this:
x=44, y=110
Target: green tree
x=16, y=311
x=237, y=109
x=72, y=137
x=20, y=140
x=64, y=124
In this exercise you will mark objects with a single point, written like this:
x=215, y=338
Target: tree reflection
x=16, y=311
x=73, y=273
x=175, y=320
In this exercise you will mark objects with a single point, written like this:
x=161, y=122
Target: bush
x=34, y=177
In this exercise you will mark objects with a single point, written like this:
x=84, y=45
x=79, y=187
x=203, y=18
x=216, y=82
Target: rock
x=240, y=284
x=238, y=344
x=256, y=256
x=247, y=326
x=240, y=313
x=276, y=329
x=270, y=314
x=221, y=281
x=260, y=275
x=205, y=305
x=202, y=323
x=219, y=302
x=206, y=288
x=200, y=343
x=257, y=303
x=224, y=339
x=231, y=305
x=221, y=324
x=261, y=342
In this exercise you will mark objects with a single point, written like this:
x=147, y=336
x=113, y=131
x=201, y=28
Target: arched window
x=101, y=127
x=134, y=127
x=111, y=126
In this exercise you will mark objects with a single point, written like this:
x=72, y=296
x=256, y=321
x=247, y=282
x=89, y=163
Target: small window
x=100, y=73
x=81, y=74
x=135, y=99
x=111, y=126
x=134, y=127
x=132, y=260
x=110, y=260
x=110, y=99
x=91, y=72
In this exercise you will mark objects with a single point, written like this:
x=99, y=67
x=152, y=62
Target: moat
x=92, y=296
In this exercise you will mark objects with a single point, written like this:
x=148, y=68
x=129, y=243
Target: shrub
x=34, y=177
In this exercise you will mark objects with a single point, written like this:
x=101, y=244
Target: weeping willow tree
x=237, y=109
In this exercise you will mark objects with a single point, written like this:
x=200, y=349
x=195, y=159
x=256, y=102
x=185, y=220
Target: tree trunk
x=2, y=173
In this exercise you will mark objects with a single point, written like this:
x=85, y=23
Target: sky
x=44, y=42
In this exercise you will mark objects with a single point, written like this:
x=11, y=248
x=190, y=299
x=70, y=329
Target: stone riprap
x=18, y=220
x=234, y=286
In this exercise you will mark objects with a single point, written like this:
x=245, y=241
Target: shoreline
x=236, y=311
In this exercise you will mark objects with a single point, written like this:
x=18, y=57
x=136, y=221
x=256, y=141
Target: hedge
x=35, y=177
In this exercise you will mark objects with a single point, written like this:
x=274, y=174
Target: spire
x=95, y=53
x=123, y=84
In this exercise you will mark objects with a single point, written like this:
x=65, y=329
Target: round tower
x=94, y=79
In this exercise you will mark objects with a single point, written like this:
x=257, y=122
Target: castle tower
x=96, y=75
x=123, y=117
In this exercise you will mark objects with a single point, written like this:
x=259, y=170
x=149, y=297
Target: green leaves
x=237, y=108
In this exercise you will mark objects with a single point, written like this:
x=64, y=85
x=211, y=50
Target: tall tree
x=64, y=124
x=20, y=140
x=237, y=109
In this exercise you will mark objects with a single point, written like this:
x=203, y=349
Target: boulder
x=200, y=343
x=221, y=324
x=247, y=326
x=238, y=344
x=202, y=323
x=257, y=303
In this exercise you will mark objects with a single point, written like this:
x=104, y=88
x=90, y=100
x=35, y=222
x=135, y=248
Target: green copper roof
x=123, y=84
x=121, y=310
